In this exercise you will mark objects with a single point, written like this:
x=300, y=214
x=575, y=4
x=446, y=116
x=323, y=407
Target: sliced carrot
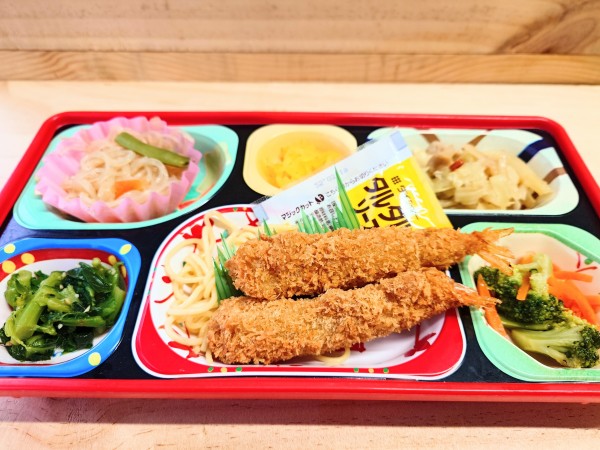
x=524, y=288
x=526, y=259
x=558, y=289
x=561, y=290
x=123, y=186
x=493, y=319
x=482, y=287
x=594, y=300
x=556, y=283
x=582, y=302
x=490, y=312
x=570, y=275
x=572, y=298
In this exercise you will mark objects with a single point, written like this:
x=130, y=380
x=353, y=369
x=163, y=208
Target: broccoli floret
x=570, y=344
x=537, y=308
x=539, y=270
x=506, y=286
x=500, y=285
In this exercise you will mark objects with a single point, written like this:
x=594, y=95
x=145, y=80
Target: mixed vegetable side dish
x=467, y=178
x=61, y=311
x=543, y=311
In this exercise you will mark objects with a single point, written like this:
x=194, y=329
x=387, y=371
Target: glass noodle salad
x=467, y=178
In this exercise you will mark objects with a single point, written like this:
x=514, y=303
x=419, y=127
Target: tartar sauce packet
x=383, y=181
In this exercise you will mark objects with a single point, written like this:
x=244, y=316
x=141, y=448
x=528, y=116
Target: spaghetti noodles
x=189, y=266
x=193, y=281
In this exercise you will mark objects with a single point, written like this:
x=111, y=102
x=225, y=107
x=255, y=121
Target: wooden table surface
x=137, y=423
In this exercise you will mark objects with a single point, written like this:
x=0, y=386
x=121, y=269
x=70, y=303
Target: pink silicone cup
x=65, y=160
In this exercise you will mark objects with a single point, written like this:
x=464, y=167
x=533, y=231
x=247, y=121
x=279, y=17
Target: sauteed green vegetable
x=61, y=310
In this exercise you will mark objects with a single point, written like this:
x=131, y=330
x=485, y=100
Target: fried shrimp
x=247, y=330
x=298, y=264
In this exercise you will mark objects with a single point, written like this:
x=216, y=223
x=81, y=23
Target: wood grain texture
x=168, y=66
x=144, y=424
x=533, y=41
x=309, y=26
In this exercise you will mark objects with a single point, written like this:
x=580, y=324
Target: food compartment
x=471, y=184
x=217, y=144
x=278, y=156
x=165, y=346
x=570, y=250
x=49, y=304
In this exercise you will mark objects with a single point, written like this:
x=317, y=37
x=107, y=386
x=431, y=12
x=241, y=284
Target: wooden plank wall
x=515, y=41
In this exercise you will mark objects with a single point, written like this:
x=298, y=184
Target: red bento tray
x=282, y=387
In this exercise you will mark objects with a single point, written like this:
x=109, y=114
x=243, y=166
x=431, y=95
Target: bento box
x=142, y=350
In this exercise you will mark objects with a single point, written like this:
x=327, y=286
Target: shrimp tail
x=470, y=297
x=496, y=255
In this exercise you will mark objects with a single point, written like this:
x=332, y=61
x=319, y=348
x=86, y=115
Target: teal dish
x=218, y=145
x=570, y=248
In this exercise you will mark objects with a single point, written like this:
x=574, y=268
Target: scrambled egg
x=298, y=160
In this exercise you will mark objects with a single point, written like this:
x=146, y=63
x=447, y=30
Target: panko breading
x=248, y=330
x=294, y=264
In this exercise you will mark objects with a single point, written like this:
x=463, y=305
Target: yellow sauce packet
x=399, y=195
x=384, y=183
